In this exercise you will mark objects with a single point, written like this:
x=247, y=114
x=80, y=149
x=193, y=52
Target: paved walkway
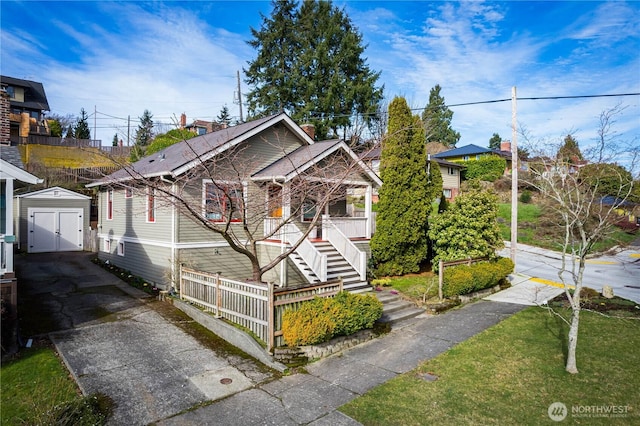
x=156, y=373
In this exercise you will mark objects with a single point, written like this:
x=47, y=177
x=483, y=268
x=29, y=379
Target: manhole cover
x=226, y=381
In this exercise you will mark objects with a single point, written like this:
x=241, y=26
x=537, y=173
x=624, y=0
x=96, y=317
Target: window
x=110, y=204
x=478, y=157
x=151, y=205
x=223, y=202
x=308, y=210
x=11, y=91
x=466, y=158
x=107, y=245
x=451, y=171
x=120, y=248
x=128, y=193
x=446, y=193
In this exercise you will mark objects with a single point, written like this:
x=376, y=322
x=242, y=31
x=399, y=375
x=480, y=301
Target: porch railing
x=257, y=307
x=351, y=227
x=306, y=250
x=352, y=254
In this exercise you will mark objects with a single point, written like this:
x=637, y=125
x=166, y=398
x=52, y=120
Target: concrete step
x=396, y=311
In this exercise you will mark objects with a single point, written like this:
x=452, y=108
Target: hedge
x=464, y=279
x=319, y=320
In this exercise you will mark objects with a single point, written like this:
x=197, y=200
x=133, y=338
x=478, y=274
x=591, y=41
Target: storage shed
x=52, y=219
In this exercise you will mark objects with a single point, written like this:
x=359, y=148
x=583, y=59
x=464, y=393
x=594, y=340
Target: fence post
x=181, y=283
x=270, y=318
x=218, y=295
x=440, y=278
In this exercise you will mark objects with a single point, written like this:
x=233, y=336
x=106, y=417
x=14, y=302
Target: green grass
x=32, y=384
x=511, y=373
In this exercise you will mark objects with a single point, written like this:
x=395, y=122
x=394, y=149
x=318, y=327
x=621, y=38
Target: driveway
x=119, y=341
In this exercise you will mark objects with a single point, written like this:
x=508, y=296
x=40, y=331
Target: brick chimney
x=309, y=129
x=505, y=146
x=5, y=126
x=183, y=120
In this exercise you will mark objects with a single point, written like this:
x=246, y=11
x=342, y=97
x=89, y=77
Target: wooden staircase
x=337, y=267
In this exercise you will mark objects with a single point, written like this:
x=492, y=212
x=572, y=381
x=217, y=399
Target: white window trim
x=128, y=192
x=107, y=245
x=120, y=248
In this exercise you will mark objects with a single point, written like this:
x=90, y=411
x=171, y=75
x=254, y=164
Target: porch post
x=367, y=210
x=286, y=213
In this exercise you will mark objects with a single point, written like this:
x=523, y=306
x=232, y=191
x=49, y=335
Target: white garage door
x=58, y=229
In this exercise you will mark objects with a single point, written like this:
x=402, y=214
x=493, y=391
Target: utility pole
x=239, y=96
x=128, y=128
x=95, y=112
x=514, y=175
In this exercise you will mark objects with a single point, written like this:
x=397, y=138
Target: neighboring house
x=51, y=220
x=450, y=172
x=200, y=127
x=152, y=238
x=12, y=175
x=28, y=103
x=474, y=152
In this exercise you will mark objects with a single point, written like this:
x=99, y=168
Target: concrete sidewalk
x=331, y=382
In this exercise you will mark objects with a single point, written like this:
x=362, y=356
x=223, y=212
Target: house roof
x=55, y=192
x=288, y=167
x=374, y=154
x=9, y=171
x=11, y=155
x=470, y=149
x=34, y=95
x=182, y=156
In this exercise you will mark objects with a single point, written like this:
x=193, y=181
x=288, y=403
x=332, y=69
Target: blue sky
x=121, y=58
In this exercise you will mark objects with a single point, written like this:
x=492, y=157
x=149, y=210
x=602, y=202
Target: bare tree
x=243, y=190
x=584, y=214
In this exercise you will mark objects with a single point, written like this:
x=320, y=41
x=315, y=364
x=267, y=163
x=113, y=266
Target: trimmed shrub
x=525, y=197
x=319, y=320
x=464, y=279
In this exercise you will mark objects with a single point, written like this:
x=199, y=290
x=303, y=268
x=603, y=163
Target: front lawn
x=512, y=373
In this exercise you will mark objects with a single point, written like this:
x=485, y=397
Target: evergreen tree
x=495, y=141
x=437, y=120
x=570, y=152
x=81, y=129
x=310, y=64
x=224, y=117
x=144, y=135
x=399, y=245
x=114, y=141
x=468, y=228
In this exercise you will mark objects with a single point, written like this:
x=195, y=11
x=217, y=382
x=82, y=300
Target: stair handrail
x=347, y=249
x=307, y=251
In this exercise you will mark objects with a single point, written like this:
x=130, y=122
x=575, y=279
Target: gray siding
x=146, y=261
x=228, y=262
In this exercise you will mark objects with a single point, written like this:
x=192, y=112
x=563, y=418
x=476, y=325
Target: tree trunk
x=571, y=366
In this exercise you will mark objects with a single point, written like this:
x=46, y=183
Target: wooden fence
x=442, y=265
x=256, y=307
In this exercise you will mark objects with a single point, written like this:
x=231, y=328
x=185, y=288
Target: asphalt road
x=621, y=270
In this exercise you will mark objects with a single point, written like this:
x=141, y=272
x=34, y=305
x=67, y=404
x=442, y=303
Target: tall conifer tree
x=437, y=120
x=399, y=245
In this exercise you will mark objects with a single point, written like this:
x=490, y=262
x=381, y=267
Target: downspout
x=175, y=275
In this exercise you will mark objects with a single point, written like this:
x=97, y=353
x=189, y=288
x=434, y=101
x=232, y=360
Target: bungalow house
x=450, y=172
x=474, y=152
x=266, y=182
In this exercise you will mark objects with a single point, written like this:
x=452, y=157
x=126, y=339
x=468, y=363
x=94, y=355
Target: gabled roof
x=9, y=171
x=470, y=149
x=288, y=167
x=182, y=156
x=34, y=95
x=55, y=193
x=11, y=154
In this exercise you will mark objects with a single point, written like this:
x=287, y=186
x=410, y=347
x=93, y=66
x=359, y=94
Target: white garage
x=52, y=219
